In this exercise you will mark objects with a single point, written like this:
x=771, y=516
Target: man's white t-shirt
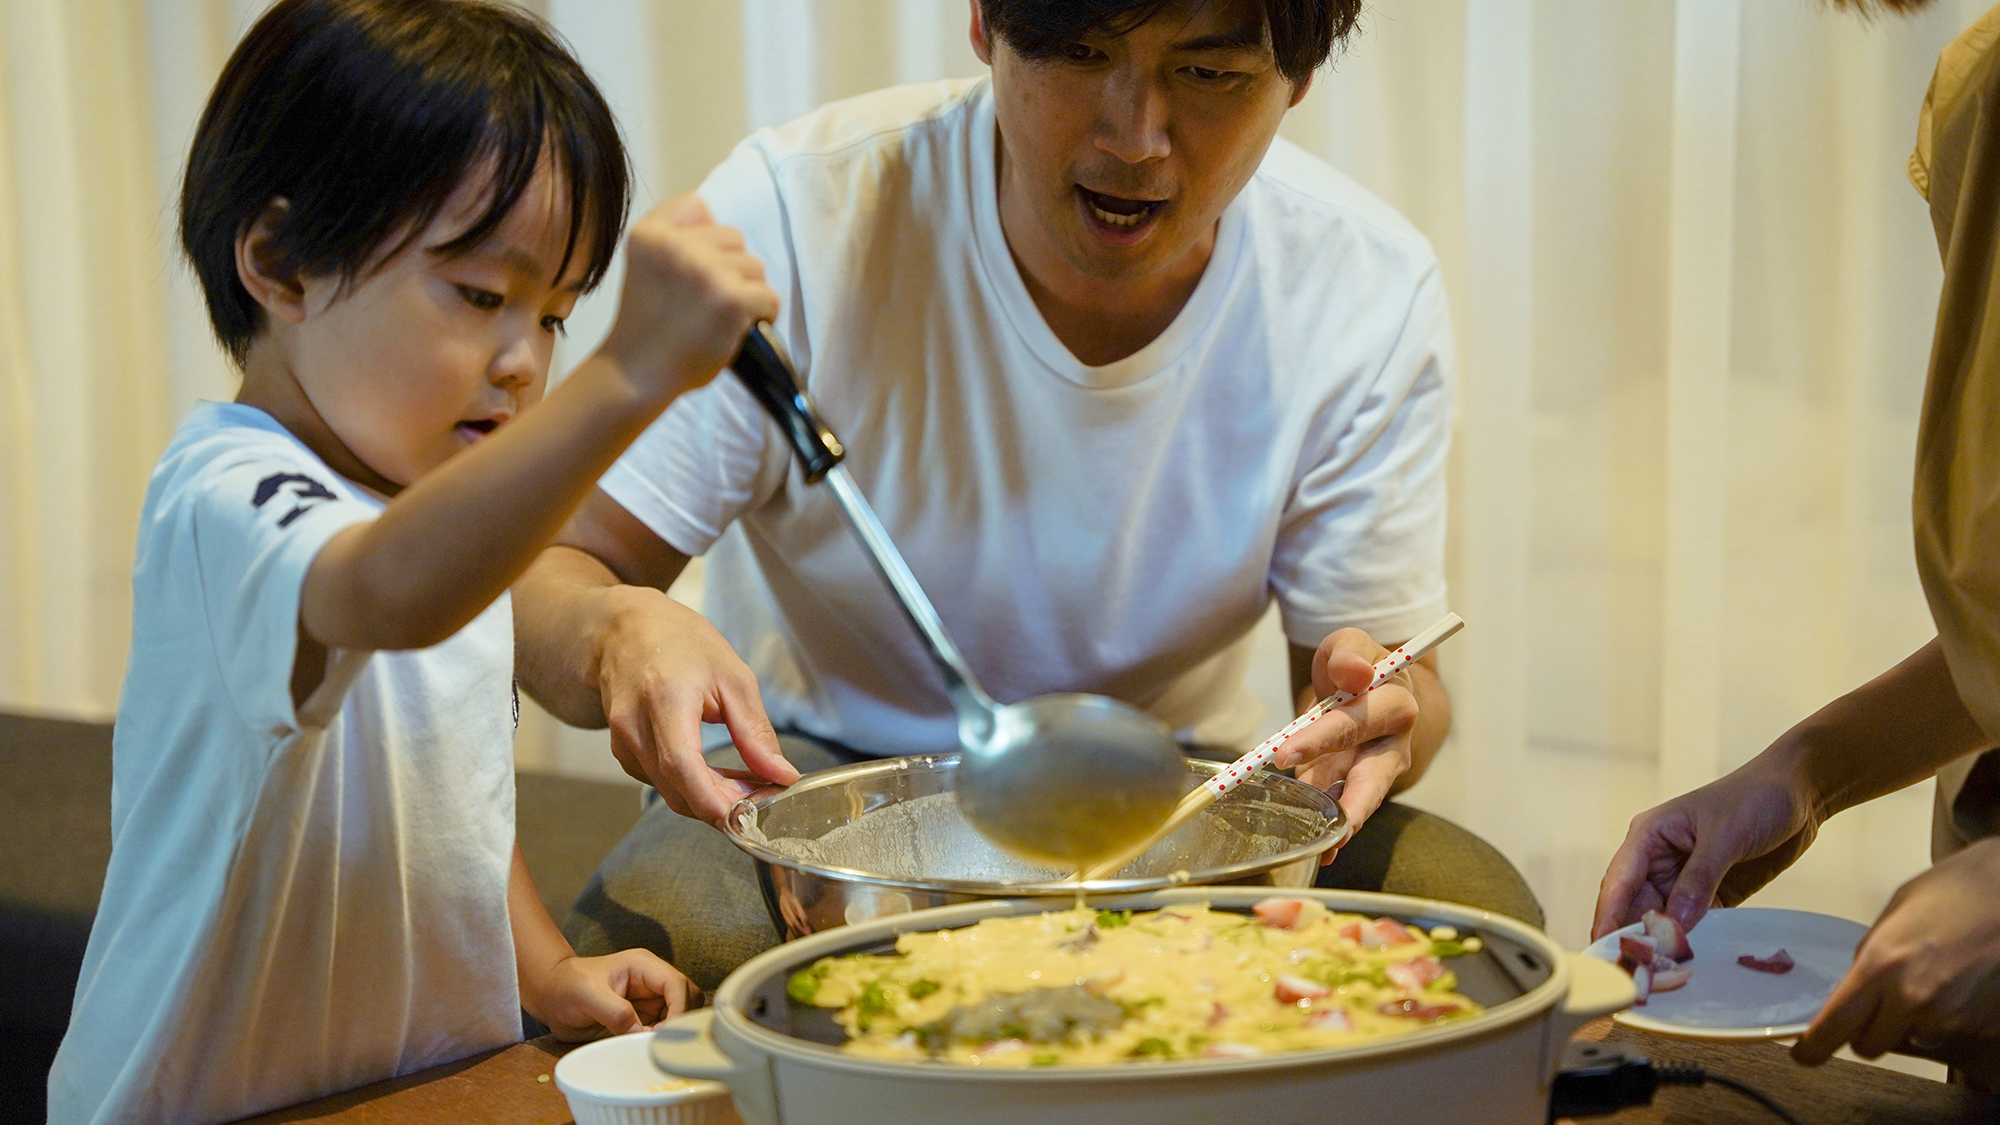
x=1113, y=529
x=298, y=902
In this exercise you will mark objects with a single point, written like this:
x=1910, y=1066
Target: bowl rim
x=698, y=1089
x=1335, y=835
x=731, y=997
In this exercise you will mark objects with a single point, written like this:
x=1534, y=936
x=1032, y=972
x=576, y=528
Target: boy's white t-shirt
x=297, y=903
x=1113, y=529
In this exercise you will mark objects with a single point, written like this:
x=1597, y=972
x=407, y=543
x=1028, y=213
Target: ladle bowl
x=1037, y=786
x=1060, y=780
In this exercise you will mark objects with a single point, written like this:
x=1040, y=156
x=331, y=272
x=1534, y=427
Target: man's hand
x=1927, y=973
x=1718, y=844
x=1368, y=742
x=583, y=998
x=691, y=292
x=662, y=672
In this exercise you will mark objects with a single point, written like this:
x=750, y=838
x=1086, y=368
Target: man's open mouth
x=1118, y=211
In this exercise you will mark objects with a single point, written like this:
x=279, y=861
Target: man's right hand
x=663, y=670
x=1717, y=844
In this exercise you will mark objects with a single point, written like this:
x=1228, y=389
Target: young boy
x=391, y=205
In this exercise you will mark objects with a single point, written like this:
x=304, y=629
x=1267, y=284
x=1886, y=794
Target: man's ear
x=981, y=44
x=1299, y=94
x=259, y=269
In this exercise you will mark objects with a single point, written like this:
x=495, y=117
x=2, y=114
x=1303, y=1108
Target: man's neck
x=1099, y=321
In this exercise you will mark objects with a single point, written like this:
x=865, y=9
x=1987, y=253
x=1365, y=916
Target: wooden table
x=504, y=1088
x=515, y=1086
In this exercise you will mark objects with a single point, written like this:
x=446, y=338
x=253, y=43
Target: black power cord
x=1598, y=1078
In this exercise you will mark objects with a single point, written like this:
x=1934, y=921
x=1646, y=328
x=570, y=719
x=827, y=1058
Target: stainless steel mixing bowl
x=915, y=853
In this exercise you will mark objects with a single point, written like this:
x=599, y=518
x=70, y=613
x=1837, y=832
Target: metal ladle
x=1059, y=780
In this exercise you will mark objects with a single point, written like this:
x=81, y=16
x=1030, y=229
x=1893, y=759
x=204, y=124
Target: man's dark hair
x=1303, y=32
x=1873, y=7
x=365, y=116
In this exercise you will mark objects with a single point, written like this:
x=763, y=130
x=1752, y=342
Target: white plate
x=1724, y=1000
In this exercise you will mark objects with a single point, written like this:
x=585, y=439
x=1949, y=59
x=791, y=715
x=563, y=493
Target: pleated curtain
x=1693, y=293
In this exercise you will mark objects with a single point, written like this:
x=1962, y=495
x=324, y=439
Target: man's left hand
x=1367, y=742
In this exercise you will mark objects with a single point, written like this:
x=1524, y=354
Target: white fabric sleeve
x=1361, y=541
x=714, y=454
x=258, y=521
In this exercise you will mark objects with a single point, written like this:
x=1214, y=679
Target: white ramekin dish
x=613, y=1082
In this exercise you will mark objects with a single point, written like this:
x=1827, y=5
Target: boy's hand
x=583, y=998
x=691, y=293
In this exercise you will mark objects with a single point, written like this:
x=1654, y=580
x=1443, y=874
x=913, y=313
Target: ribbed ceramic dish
x=784, y=1062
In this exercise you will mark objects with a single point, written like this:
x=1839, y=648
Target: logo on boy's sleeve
x=303, y=491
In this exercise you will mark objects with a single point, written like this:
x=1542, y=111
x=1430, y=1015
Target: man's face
x=1119, y=155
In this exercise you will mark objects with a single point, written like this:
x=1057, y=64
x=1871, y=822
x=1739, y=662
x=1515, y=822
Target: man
x=1115, y=369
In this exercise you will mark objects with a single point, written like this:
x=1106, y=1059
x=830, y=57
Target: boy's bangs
x=365, y=116
x=513, y=145
x=516, y=100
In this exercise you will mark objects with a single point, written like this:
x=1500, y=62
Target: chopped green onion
x=874, y=1002
x=804, y=984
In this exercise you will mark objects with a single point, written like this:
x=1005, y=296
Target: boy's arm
x=584, y=997
x=454, y=540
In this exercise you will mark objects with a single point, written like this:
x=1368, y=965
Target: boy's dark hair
x=1303, y=32
x=365, y=116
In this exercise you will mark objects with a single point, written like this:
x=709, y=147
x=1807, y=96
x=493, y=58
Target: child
x=391, y=205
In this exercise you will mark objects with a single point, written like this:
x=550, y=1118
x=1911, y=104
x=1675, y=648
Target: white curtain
x=1693, y=293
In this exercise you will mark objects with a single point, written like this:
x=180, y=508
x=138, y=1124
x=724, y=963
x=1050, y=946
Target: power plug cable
x=1599, y=1078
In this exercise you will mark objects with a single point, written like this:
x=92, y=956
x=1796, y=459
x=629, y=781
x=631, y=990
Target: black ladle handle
x=762, y=366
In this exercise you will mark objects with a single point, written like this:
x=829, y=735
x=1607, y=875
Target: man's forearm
x=1891, y=732
x=559, y=606
x=1433, y=722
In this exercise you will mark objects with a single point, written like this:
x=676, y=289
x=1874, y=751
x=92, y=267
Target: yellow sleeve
x=1956, y=506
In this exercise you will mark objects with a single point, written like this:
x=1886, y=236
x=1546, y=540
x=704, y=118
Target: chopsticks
x=1232, y=776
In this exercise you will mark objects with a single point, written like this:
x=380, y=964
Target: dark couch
x=55, y=839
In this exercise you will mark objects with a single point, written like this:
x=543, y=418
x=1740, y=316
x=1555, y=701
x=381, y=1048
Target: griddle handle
x=762, y=366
